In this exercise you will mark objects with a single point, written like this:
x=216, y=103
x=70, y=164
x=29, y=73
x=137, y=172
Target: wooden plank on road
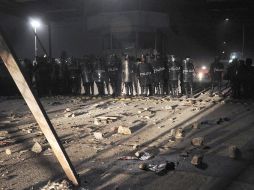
x=37, y=110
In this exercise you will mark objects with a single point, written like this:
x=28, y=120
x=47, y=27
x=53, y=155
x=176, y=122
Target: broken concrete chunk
x=172, y=132
x=198, y=141
x=197, y=160
x=233, y=151
x=179, y=133
x=68, y=114
x=37, y=148
x=3, y=133
x=168, y=108
x=124, y=130
x=98, y=135
x=195, y=125
x=97, y=121
x=8, y=151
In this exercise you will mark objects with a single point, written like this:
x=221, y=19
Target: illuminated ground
x=151, y=121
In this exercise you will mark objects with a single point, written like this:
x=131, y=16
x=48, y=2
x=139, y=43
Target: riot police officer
x=216, y=74
x=188, y=75
x=158, y=74
x=145, y=71
x=99, y=75
x=127, y=75
x=87, y=75
x=173, y=75
x=74, y=75
x=249, y=76
x=42, y=76
x=135, y=75
x=114, y=68
x=233, y=75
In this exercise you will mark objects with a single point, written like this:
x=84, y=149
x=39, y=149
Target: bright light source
x=35, y=23
x=224, y=43
x=200, y=76
x=233, y=57
x=223, y=52
x=226, y=19
x=204, y=67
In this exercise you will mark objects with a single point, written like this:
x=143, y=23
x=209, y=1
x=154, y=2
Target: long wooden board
x=37, y=109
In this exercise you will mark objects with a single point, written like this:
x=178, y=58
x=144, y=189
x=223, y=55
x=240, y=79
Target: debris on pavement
x=197, y=160
x=98, y=135
x=37, y=148
x=195, y=125
x=8, y=151
x=198, y=141
x=159, y=169
x=234, y=152
x=124, y=130
x=138, y=156
x=179, y=133
x=64, y=185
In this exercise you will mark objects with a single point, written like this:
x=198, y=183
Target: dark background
x=197, y=27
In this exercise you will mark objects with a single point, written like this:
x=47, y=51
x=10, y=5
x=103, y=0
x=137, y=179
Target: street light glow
x=35, y=23
x=226, y=19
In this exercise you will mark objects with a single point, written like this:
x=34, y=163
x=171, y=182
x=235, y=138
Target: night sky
x=196, y=29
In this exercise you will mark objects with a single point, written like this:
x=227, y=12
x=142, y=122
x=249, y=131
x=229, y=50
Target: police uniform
x=188, y=75
x=216, y=74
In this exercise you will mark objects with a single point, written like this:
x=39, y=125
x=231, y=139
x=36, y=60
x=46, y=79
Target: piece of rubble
x=37, y=148
x=98, y=135
x=198, y=141
x=135, y=146
x=67, y=110
x=68, y=114
x=97, y=121
x=179, y=133
x=3, y=133
x=197, y=160
x=159, y=169
x=233, y=151
x=8, y=151
x=124, y=130
x=195, y=125
x=168, y=108
x=172, y=132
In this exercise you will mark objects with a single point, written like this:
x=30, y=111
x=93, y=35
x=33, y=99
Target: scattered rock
x=198, y=141
x=195, y=125
x=124, y=130
x=135, y=146
x=172, y=132
x=179, y=133
x=8, y=151
x=67, y=110
x=197, y=160
x=233, y=151
x=98, y=135
x=68, y=114
x=56, y=103
x=3, y=133
x=37, y=148
x=168, y=108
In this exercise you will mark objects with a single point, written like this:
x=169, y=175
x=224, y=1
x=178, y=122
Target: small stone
x=135, y=146
x=97, y=121
x=168, y=107
x=3, y=133
x=37, y=148
x=197, y=160
x=67, y=110
x=143, y=166
x=98, y=135
x=124, y=130
x=195, y=125
x=8, y=151
x=179, y=133
x=198, y=141
x=68, y=114
x=147, y=117
x=172, y=132
x=233, y=152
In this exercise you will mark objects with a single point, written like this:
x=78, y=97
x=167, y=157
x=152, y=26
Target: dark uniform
x=135, y=76
x=74, y=74
x=233, y=75
x=249, y=77
x=188, y=75
x=99, y=75
x=145, y=71
x=114, y=68
x=158, y=75
x=87, y=75
x=127, y=75
x=216, y=74
x=41, y=78
x=173, y=75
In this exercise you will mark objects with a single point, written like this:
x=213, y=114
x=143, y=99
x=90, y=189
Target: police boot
x=131, y=90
